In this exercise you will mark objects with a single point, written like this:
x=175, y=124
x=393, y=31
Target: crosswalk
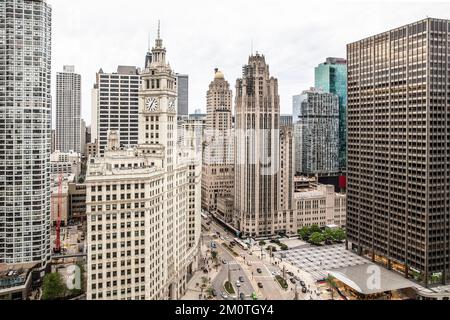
x=232, y=263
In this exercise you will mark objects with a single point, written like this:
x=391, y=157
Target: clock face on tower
x=152, y=104
x=172, y=105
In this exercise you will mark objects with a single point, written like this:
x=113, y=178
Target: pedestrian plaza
x=317, y=261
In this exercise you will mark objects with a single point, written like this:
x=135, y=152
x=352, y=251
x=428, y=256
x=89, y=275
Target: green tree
x=53, y=287
x=262, y=243
x=316, y=238
x=315, y=229
x=205, y=282
x=339, y=235
x=214, y=255
x=329, y=235
x=304, y=233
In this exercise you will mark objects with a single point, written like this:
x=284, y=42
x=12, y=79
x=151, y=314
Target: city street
x=247, y=265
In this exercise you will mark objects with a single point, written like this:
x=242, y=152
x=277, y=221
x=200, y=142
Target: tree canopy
x=53, y=287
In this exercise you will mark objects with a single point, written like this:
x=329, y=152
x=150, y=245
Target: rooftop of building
x=14, y=275
x=397, y=28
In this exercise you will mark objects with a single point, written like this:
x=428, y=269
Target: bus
x=241, y=244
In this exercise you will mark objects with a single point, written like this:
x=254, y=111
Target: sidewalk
x=193, y=292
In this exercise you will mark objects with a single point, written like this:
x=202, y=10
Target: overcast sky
x=200, y=35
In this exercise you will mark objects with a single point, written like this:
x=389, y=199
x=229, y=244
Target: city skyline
x=347, y=198
x=197, y=50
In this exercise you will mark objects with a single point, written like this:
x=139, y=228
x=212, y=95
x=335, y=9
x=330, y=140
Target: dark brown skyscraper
x=398, y=149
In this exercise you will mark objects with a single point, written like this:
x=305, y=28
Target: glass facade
x=331, y=77
x=398, y=149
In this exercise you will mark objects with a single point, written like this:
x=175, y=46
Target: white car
x=238, y=284
x=224, y=295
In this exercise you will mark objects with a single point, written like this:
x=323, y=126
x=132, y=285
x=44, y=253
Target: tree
x=315, y=228
x=53, y=287
x=214, y=255
x=329, y=235
x=205, y=282
x=316, y=238
x=304, y=233
x=262, y=243
x=339, y=235
x=332, y=284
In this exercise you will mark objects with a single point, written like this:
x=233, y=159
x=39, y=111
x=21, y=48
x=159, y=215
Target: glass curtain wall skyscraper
x=398, y=149
x=331, y=77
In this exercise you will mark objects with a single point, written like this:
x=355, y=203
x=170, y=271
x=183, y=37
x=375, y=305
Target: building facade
x=182, y=83
x=115, y=106
x=318, y=204
x=331, y=77
x=218, y=153
x=61, y=163
x=68, y=110
x=25, y=132
x=82, y=136
x=317, y=133
x=257, y=150
x=398, y=149
x=143, y=203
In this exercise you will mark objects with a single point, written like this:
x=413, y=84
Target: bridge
x=68, y=256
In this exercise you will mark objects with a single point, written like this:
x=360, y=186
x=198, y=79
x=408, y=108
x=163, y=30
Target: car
x=214, y=293
x=241, y=279
x=259, y=270
x=303, y=284
x=242, y=296
x=293, y=281
x=224, y=295
x=290, y=273
x=275, y=273
x=227, y=238
x=304, y=290
x=224, y=261
x=260, y=285
x=238, y=284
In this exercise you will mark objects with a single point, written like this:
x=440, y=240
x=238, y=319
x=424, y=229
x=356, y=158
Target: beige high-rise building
x=257, y=150
x=218, y=155
x=143, y=203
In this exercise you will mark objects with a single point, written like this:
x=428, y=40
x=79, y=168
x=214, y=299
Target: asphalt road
x=233, y=265
x=246, y=265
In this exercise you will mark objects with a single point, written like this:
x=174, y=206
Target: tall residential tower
x=68, y=110
x=25, y=132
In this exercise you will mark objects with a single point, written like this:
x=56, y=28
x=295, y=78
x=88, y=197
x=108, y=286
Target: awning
x=371, y=279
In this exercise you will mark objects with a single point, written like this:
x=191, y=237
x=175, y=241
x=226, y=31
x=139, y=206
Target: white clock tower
x=157, y=107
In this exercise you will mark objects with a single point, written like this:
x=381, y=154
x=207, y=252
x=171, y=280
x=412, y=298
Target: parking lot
x=318, y=260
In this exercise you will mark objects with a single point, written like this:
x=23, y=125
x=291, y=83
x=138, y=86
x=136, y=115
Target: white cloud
x=200, y=35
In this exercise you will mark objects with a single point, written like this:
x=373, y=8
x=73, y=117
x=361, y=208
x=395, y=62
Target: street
x=246, y=265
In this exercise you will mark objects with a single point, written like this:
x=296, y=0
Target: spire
x=158, y=39
x=159, y=29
